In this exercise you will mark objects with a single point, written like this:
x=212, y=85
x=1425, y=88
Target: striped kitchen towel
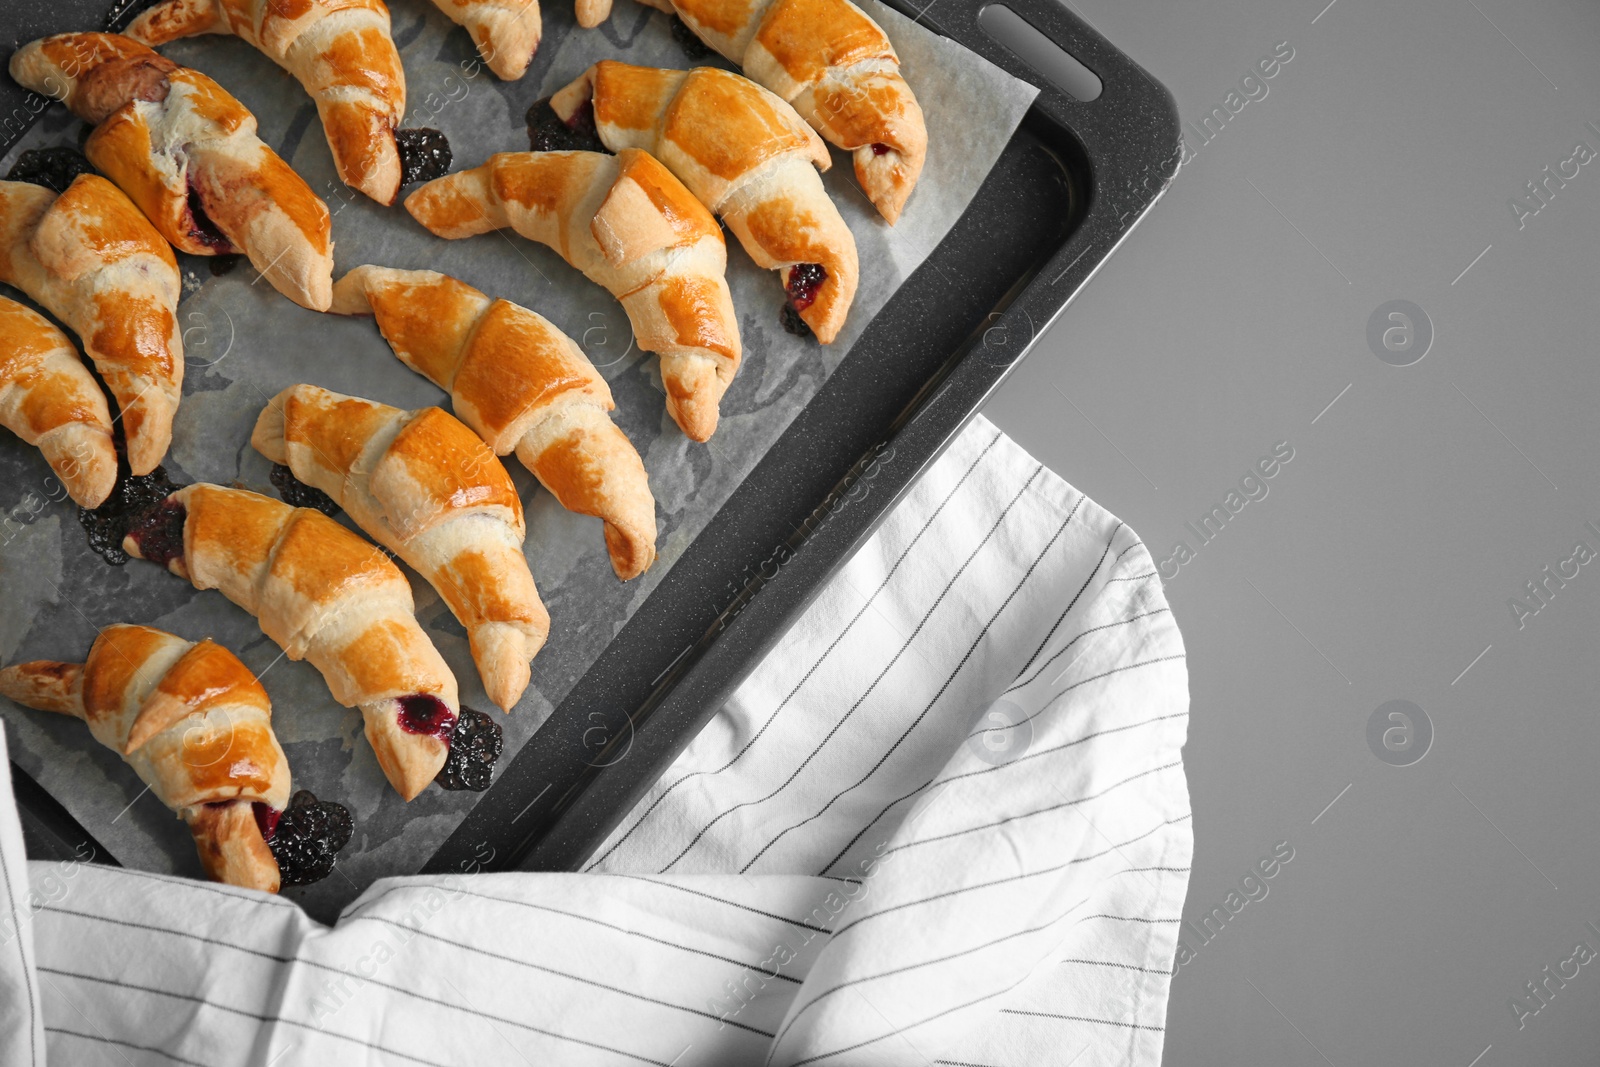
x=945, y=821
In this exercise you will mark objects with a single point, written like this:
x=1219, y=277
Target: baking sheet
x=244, y=342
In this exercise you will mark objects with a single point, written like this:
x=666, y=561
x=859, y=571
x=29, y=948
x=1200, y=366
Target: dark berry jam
x=267, y=818
x=159, y=532
x=307, y=837
x=804, y=281
x=475, y=746
x=880, y=149
x=204, y=229
x=424, y=714
x=581, y=122
x=693, y=47
x=549, y=132
x=131, y=497
x=53, y=168
x=424, y=154
x=792, y=322
x=223, y=264
x=298, y=494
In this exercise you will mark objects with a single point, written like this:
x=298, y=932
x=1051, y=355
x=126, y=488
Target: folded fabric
x=944, y=821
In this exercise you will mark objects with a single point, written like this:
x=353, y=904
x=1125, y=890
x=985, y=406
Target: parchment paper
x=244, y=342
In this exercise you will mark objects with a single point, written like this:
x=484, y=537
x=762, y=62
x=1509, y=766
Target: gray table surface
x=1382, y=164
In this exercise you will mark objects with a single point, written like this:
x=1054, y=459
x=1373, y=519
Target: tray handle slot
x=1052, y=62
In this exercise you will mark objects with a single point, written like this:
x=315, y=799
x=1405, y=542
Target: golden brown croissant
x=96, y=263
x=325, y=596
x=748, y=157
x=505, y=31
x=49, y=399
x=424, y=486
x=339, y=50
x=187, y=153
x=630, y=226
x=523, y=386
x=194, y=724
x=837, y=68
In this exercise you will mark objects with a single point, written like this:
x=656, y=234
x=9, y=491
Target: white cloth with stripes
x=945, y=821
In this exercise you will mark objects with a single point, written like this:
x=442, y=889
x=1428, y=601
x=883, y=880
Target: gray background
x=1380, y=564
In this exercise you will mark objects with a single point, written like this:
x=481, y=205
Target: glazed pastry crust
x=628, y=225
x=327, y=597
x=745, y=154
x=425, y=486
x=833, y=64
x=837, y=68
x=174, y=141
x=194, y=724
x=49, y=399
x=523, y=386
x=96, y=263
x=339, y=50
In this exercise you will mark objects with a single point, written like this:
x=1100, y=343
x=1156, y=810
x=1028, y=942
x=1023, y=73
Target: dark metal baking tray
x=1072, y=183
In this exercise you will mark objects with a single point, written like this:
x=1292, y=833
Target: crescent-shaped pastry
x=834, y=64
x=325, y=596
x=49, y=399
x=630, y=226
x=747, y=156
x=96, y=264
x=427, y=488
x=187, y=153
x=339, y=50
x=193, y=723
x=523, y=386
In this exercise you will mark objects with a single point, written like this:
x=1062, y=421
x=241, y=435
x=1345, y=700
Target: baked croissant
x=424, y=486
x=339, y=50
x=188, y=155
x=326, y=596
x=747, y=156
x=837, y=68
x=630, y=226
x=523, y=386
x=193, y=723
x=505, y=31
x=96, y=264
x=49, y=399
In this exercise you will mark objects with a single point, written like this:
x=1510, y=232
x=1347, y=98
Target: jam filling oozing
x=298, y=494
x=204, y=229
x=880, y=149
x=428, y=715
x=267, y=818
x=475, y=746
x=424, y=154
x=549, y=132
x=131, y=497
x=53, y=168
x=305, y=838
x=693, y=47
x=804, y=281
x=159, y=532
